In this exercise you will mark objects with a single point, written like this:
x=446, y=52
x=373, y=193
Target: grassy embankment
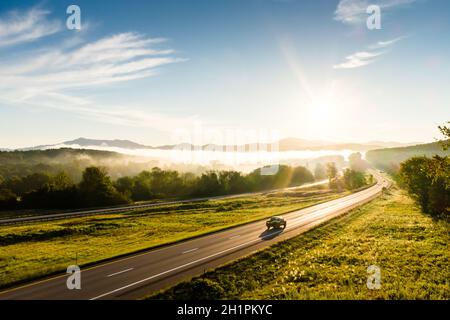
x=331, y=262
x=38, y=249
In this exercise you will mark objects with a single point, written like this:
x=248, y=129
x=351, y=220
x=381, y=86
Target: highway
x=127, y=208
x=137, y=275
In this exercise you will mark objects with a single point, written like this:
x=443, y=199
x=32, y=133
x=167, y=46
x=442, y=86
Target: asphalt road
x=140, y=274
x=119, y=209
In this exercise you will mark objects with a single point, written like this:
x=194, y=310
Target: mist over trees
x=320, y=172
x=356, y=163
x=352, y=178
x=96, y=188
x=70, y=179
x=390, y=159
x=74, y=161
x=331, y=171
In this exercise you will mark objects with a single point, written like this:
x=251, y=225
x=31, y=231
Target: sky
x=206, y=71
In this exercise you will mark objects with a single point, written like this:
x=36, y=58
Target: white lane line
x=192, y=250
x=234, y=237
x=184, y=265
x=174, y=269
x=123, y=271
x=181, y=267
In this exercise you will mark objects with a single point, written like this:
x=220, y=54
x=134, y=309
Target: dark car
x=276, y=223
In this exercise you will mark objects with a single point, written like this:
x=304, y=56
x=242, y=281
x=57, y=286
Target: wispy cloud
x=385, y=44
x=124, y=115
x=20, y=27
x=358, y=59
x=118, y=58
x=364, y=58
x=48, y=77
x=353, y=12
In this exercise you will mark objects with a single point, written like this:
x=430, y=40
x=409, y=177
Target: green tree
x=14, y=184
x=28, y=183
x=188, y=182
x=61, y=181
x=165, y=183
x=282, y=179
x=301, y=175
x=414, y=175
x=353, y=179
x=331, y=171
x=125, y=185
x=428, y=180
x=96, y=189
x=209, y=184
x=337, y=183
x=233, y=182
x=8, y=199
x=446, y=133
x=439, y=197
x=320, y=172
x=142, y=187
x=357, y=163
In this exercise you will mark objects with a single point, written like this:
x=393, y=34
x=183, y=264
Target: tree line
x=96, y=188
x=353, y=177
x=428, y=180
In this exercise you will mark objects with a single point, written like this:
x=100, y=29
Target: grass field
x=331, y=262
x=39, y=249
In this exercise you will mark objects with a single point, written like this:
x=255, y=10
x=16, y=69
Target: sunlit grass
x=39, y=249
x=331, y=261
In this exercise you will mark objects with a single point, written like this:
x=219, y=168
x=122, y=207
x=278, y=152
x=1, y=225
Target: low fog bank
x=200, y=161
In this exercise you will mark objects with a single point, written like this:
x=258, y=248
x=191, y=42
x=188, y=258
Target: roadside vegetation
x=38, y=249
x=389, y=159
x=353, y=177
x=428, y=180
x=330, y=262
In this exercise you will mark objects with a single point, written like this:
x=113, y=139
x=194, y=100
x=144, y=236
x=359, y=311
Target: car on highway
x=276, y=223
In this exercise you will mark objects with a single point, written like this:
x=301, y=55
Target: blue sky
x=141, y=70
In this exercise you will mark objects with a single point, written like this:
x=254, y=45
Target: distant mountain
x=91, y=143
x=295, y=144
x=288, y=144
x=393, y=144
x=391, y=158
x=72, y=161
x=125, y=144
x=301, y=144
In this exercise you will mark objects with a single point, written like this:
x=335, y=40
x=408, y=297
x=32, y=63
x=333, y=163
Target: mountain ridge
x=286, y=144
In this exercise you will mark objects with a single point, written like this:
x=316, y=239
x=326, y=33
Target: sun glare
x=320, y=112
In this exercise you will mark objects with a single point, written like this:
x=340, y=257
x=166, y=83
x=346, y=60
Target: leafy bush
x=428, y=182
x=201, y=289
x=354, y=179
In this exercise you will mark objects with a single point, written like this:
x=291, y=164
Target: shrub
x=201, y=289
x=428, y=182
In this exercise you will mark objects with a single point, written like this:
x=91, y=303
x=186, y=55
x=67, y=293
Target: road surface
x=119, y=209
x=137, y=275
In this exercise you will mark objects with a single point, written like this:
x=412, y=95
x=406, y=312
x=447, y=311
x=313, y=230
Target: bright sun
x=320, y=112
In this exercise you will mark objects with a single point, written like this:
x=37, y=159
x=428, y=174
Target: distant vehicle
x=276, y=223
